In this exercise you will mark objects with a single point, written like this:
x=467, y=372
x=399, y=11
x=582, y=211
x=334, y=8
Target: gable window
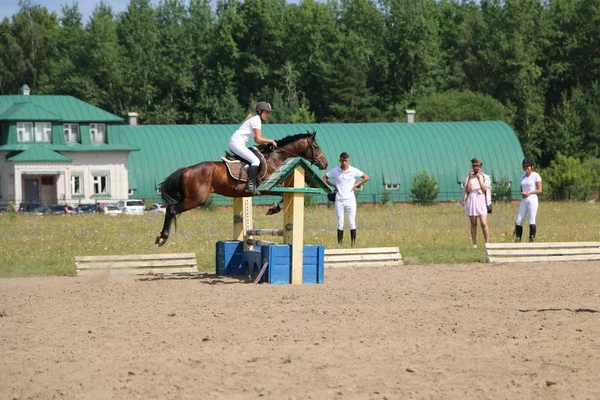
x=98, y=133
x=24, y=132
x=71, y=133
x=101, y=183
x=76, y=184
x=43, y=132
x=39, y=132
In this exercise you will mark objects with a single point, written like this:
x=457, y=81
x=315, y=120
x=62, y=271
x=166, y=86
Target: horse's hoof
x=160, y=241
x=275, y=208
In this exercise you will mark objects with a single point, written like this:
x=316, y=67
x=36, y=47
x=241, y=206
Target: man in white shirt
x=344, y=180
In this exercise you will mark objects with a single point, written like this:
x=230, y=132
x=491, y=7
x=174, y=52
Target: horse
x=191, y=187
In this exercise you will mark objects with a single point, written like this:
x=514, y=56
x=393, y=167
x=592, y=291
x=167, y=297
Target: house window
x=98, y=133
x=101, y=184
x=24, y=132
x=71, y=133
x=359, y=187
x=392, y=187
x=76, y=184
x=43, y=132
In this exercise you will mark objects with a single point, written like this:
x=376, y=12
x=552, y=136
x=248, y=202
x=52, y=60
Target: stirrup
x=251, y=188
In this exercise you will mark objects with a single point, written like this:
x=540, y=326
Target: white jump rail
x=363, y=257
x=140, y=264
x=535, y=252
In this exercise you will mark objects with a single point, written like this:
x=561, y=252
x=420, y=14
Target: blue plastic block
x=280, y=263
x=313, y=264
x=229, y=257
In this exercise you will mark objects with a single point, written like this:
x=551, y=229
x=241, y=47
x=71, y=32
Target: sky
x=10, y=7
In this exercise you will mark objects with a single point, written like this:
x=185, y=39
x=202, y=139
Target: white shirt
x=528, y=183
x=344, y=181
x=246, y=130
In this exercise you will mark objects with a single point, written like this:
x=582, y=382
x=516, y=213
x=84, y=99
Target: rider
x=252, y=127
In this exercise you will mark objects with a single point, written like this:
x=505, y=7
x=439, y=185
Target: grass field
x=37, y=246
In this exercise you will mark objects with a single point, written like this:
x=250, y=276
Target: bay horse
x=190, y=187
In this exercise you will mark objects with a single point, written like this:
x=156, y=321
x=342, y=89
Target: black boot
x=252, y=183
x=352, y=237
x=340, y=236
x=532, y=232
x=518, y=232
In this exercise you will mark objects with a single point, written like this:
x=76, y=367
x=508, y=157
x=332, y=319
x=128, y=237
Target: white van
x=132, y=207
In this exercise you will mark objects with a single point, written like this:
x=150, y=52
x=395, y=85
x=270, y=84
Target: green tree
x=311, y=38
x=36, y=32
x=568, y=179
x=454, y=105
x=101, y=79
x=13, y=66
x=412, y=44
x=138, y=35
x=424, y=188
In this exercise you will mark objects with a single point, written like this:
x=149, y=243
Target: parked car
x=35, y=208
x=111, y=209
x=88, y=208
x=59, y=209
x=132, y=207
x=157, y=209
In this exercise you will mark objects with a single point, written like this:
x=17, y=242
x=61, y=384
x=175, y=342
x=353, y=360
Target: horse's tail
x=170, y=188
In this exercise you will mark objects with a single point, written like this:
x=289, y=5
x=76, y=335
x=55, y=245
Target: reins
x=314, y=159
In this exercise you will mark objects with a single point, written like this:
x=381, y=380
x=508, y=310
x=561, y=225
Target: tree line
x=532, y=63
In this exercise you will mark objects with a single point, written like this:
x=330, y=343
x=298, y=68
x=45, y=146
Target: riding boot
x=352, y=237
x=340, y=236
x=252, y=183
x=518, y=232
x=532, y=232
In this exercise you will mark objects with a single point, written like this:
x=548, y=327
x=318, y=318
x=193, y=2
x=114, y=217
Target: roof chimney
x=410, y=116
x=132, y=118
x=25, y=90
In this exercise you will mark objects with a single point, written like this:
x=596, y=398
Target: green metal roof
x=65, y=108
x=39, y=153
x=28, y=112
x=390, y=153
x=71, y=147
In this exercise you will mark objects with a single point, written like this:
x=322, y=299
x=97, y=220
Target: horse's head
x=313, y=152
x=301, y=145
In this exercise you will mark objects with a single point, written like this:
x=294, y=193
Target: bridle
x=312, y=146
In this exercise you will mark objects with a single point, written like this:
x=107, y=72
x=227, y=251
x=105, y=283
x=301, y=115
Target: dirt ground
x=477, y=331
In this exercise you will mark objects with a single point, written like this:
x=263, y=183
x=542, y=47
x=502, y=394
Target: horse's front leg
x=275, y=207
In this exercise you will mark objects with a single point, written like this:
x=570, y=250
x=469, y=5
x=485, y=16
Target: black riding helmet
x=263, y=106
x=528, y=161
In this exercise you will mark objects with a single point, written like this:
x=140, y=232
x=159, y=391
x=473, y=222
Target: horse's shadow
x=203, y=277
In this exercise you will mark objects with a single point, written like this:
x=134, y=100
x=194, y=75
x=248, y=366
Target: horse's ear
x=314, y=133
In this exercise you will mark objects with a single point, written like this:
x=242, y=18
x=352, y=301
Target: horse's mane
x=263, y=148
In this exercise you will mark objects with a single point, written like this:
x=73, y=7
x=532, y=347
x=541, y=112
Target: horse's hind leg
x=166, y=230
x=171, y=215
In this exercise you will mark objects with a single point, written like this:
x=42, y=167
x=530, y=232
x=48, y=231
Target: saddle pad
x=236, y=170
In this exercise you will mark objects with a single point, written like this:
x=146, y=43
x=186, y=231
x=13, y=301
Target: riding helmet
x=528, y=161
x=263, y=106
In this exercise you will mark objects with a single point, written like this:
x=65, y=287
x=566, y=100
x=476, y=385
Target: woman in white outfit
x=251, y=127
x=531, y=186
x=344, y=178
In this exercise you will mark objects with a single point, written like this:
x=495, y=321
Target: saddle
x=237, y=167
